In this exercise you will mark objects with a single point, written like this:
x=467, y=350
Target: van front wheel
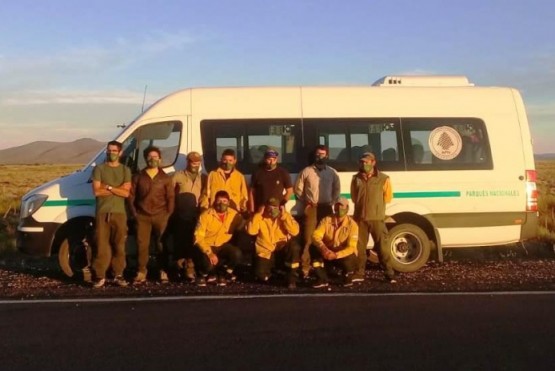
x=409, y=246
x=75, y=253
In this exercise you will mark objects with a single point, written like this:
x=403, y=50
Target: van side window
x=447, y=144
x=348, y=139
x=164, y=135
x=250, y=138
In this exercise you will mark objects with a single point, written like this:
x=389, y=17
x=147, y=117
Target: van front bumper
x=35, y=238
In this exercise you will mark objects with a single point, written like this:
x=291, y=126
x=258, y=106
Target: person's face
x=193, y=166
x=320, y=154
x=367, y=165
x=340, y=210
x=228, y=162
x=112, y=153
x=272, y=211
x=221, y=204
x=270, y=162
x=153, y=160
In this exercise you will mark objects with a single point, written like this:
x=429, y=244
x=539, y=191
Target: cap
x=220, y=194
x=271, y=153
x=193, y=156
x=342, y=201
x=367, y=156
x=272, y=201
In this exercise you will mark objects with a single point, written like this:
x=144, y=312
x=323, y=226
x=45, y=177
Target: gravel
x=512, y=268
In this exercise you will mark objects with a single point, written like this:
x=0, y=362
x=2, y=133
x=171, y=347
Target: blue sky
x=73, y=69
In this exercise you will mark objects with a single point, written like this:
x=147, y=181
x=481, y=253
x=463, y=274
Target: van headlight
x=32, y=204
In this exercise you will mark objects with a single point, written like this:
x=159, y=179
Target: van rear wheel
x=409, y=246
x=75, y=253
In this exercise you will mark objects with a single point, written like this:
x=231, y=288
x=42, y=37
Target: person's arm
x=290, y=224
x=387, y=191
x=204, y=200
x=251, y=199
x=99, y=188
x=351, y=244
x=131, y=198
x=288, y=185
x=336, y=187
x=318, y=235
x=123, y=190
x=244, y=195
x=253, y=226
x=170, y=195
x=200, y=233
x=299, y=186
x=354, y=190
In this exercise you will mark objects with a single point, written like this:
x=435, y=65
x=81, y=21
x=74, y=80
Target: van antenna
x=144, y=97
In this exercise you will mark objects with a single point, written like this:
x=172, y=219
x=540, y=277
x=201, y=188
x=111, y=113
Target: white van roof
x=424, y=80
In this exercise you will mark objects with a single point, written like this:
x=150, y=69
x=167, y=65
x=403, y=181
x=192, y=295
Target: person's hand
x=329, y=255
x=213, y=259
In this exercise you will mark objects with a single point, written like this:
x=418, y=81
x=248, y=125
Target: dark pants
x=229, y=256
x=184, y=237
x=111, y=233
x=147, y=226
x=378, y=230
x=347, y=264
x=287, y=255
x=312, y=216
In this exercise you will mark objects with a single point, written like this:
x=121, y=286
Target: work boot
x=140, y=278
x=190, y=270
x=164, y=277
x=120, y=281
x=99, y=283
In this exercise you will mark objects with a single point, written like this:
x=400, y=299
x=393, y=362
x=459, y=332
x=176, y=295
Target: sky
x=77, y=69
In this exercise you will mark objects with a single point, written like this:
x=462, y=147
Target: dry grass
x=15, y=181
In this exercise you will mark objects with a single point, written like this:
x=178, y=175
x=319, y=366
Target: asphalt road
x=386, y=332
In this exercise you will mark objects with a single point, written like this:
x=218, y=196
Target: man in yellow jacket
x=226, y=178
x=335, y=241
x=275, y=230
x=213, y=233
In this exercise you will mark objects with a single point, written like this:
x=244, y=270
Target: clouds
x=45, y=97
x=75, y=64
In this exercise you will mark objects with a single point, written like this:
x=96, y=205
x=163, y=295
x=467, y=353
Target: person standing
x=269, y=181
x=275, y=230
x=317, y=187
x=151, y=201
x=189, y=185
x=371, y=191
x=335, y=241
x=216, y=256
x=111, y=183
x=226, y=178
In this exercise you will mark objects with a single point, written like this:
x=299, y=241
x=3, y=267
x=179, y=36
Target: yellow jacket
x=269, y=232
x=340, y=238
x=211, y=231
x=235, y=185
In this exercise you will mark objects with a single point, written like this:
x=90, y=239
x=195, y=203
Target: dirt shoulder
x=469, y=270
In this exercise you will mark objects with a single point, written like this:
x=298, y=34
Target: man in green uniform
x=111, y=185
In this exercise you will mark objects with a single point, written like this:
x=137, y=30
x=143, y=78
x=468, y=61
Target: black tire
x=75, y=252
x=409, y=246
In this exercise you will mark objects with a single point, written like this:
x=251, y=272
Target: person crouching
x=275, y=230
x=335, y=241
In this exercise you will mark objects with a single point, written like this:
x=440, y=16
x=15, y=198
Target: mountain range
x=81, y=151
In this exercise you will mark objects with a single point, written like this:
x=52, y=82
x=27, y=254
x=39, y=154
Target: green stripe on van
x=88, y=202
x=434, y=194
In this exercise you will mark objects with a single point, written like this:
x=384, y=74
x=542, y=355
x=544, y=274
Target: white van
x=459, y=157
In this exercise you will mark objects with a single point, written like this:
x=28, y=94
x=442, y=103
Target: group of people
x=215, y=219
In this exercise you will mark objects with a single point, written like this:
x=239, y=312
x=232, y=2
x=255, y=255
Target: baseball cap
x=272, y=201
x=271, y=153
x=342, y=201
x=367, y=156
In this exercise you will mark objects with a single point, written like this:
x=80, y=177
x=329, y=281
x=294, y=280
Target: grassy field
x=16, y=180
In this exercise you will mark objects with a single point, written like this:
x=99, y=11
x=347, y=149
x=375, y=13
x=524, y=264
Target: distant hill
x=545, y=156
x=80, y=151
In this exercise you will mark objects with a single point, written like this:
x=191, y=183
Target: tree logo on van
x=445, y=142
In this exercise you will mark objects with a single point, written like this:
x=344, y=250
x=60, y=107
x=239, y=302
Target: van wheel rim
x=406, y=248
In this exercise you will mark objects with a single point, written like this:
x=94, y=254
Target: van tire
x=75, y=253
x=409, y=246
